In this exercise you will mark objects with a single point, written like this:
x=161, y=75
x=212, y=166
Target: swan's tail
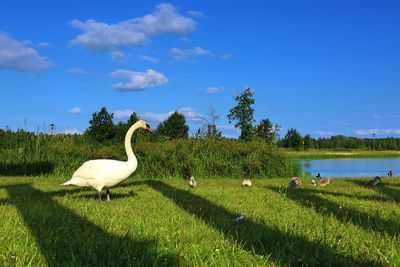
x=70, y=182
x=76, y=180
x=66, y=183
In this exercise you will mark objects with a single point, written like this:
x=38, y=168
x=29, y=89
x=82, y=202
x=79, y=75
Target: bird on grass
x=247, y=183
x=374, y=182
x=324, y=182
x=294, y=182
x=106, y=173
x=192, y=182
x=313, y=183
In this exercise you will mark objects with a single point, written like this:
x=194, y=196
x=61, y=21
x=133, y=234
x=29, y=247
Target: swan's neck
x=128, y=146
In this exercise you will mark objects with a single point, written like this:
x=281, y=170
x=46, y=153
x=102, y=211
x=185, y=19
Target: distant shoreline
x=340, y=154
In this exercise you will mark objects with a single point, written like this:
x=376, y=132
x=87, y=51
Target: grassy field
x=333, y=154
x=166, y=223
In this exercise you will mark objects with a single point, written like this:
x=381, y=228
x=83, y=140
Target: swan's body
x=192, y=182
x=247, y=183
x=106, y=173
x=294, y=182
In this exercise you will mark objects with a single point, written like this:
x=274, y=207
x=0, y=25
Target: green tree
x=292, y=139
x=101, y=126
x=122, y=128
x=308, y=142
x=267, y=131
x=243, y=114
x=174, y=127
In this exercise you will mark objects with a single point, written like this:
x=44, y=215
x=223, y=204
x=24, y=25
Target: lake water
x=351, y=167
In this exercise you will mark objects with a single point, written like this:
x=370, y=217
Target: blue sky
x=322, y=67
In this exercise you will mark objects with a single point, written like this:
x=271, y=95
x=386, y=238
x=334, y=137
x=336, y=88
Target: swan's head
x=144, y=125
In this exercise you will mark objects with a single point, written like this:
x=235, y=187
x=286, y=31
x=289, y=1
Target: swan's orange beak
x=148, y=128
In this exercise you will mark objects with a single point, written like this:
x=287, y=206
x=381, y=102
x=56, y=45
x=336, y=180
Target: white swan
x=105, y=173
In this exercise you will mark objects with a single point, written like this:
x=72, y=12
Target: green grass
x=334, y=154
x=157, y=223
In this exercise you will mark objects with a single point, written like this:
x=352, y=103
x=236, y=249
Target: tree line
x=103, y=129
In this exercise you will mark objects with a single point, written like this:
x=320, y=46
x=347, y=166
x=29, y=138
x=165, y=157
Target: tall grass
x=62, y=154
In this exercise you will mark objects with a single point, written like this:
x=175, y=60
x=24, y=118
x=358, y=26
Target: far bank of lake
x=347, y=154
x=350, y=167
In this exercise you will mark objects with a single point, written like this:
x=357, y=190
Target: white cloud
x=16, y=55
x=383, y=117
x=179, y=54
x=155, y=117
x=122, y=114
x=214, y=90
x=44, y=45
x=72, y=131
x=377, y=131
x=325, y=133
x=228, y=131
x=149, y=59
x=117, y=55
x=226, y=56
x=138, y=80
x=75, y=110
x=102, y=36
x=197, y=14
x=76, y=71
x=189, y=113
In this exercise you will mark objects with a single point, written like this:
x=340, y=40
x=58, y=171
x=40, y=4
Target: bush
x=62, y=155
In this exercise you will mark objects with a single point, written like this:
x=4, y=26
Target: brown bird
x=294, y=182
x=374, y=182
x=324, y=182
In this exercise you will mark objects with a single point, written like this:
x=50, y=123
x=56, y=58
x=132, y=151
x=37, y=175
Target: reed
x=29, y=154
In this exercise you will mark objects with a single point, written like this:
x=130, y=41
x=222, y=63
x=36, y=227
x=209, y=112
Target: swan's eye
x=148, y=128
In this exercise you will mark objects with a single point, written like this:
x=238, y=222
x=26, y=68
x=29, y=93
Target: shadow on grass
x=26, y=168
x=369, y=221
x=390, y=193
x=113, y=196
x=68, y=239
x=284, y=248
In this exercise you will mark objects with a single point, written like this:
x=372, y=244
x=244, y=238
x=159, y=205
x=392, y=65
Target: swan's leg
x=108, y=195
x=99, y=196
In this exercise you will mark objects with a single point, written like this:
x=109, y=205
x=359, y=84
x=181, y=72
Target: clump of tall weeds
x=21, y=153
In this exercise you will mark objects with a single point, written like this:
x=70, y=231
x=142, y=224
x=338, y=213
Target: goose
x=294, y=182
x=247, y=183
x=106, y=173
x=324, y=182
x=313, y=183
x=374, y=182
x=192, y=182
